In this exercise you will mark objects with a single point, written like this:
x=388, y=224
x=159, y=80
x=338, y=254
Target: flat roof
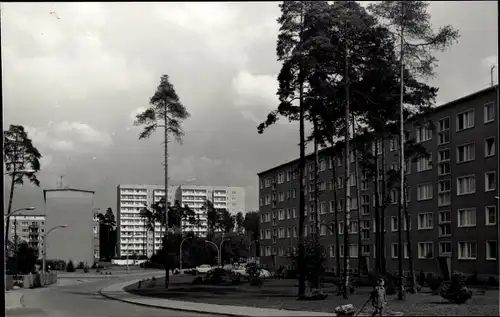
x=442, y=107
x=69, y=190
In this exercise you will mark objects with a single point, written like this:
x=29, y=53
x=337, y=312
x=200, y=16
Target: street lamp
x=180, y=252
x=216, y=248
x=44, y=258
x=220, y=251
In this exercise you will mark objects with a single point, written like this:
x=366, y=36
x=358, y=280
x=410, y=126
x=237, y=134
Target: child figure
x=378, y=298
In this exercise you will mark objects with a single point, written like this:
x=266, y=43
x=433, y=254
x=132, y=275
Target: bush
x=235, y=279
x=70, y=267
x=197, y=280
x=434, y=282
x=254, y=275
x=151, y=265
x=215, y=276
x=492, y=281
x=81, y=265
x=86, y=269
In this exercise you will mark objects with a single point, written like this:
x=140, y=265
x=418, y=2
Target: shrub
x=254, y=275
x=215, y=276
x=70, y=267
x=235, y=279
x=197, y=280
x=434, y=282
x=86, y=269
x=81, y=265
x=492, y=281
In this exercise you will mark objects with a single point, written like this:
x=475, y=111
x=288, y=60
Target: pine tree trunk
x=410, y=248
x=358, y=197
x=347, y=213
x=317, y=224
x=167, y=259
x=336, y=217
x=376, y=183
x=383, y=262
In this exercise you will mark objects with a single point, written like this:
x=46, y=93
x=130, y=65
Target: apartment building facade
x=453, y=212
x=28, y=228
x=133, y=235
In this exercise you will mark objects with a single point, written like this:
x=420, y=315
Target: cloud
x=255, y=90
x=135, y=112
x=69, y=136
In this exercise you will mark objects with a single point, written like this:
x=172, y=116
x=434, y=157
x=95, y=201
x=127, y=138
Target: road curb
x=219, y=310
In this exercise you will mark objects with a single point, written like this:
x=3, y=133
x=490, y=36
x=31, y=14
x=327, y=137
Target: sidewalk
x=116, y=292
x=13, y=300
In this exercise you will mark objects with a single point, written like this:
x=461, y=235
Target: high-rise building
x=28, y=228
x=133, y=234
x=453, y=212
x=71, y=212
x=96, y=236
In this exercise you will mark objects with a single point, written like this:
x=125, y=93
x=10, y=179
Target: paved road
x=81, y=299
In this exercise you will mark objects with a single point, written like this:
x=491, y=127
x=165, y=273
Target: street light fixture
x=216, y=248
x=220, y=251
x=44, y=258
x=180, y=251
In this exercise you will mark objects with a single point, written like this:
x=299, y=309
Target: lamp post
x=180, y=251
x=44, y=258
x=250, y=249
x=220, y=251
x=216, y=248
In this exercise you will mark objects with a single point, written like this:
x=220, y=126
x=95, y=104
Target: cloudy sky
x=75, y=74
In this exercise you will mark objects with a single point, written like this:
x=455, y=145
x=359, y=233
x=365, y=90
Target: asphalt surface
x=80, y=298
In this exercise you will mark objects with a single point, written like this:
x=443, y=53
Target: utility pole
x=491, y=75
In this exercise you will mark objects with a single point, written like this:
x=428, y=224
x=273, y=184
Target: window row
x=466, y=218
x=466, y=250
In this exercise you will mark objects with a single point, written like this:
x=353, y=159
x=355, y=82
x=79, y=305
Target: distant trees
x=107, y=234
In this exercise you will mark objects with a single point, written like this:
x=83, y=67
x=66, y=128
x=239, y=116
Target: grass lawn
x=282, y=294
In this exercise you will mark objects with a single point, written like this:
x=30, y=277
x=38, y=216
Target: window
x=340, y=204
x=364, y=181
x=424, y=164
x=261, y=184
x=466, y=185
x=281, y=178
x=424, y=191
x=467, y=217
x=365, y=250
x=323, y=230
x=425, y=250
x=491, y=250
x=332, y=206
x=351, y=156
x=340, y=182
x=352, y=180
x=445, y=248
x=268, y=182
x=340, y=160
x=353, y=226
x=405, y=226
x=489, y=181
x=465, y=120
x=322, y=165
x=354, y=203
x=341, y=250
x=444, y=162
x=294, y=211
x=393, y=144
x=489, y=112
x=322, y=186
x=466, y=153
x=444, y=223
x=365, y=205
x=425, y=221
x=281, y=196
x=394, y=250
x=378, y=146
x=394, y=224
x=443, y=131
x=322, y=208
x=341, y=227
x=353, y=251
x=444, y=192
x=332, y=250
x=330, y=185
x=289, y=232
x=424, y=134
x=489, y=147
x=393, y=196
x=407, y=166
x=281, y=214
x=491, y=215
x=467, y=250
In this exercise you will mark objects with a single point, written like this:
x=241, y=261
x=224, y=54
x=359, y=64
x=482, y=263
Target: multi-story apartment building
x=452, y=196
x=230, y=198
x=28, y=228
x=133, y=235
